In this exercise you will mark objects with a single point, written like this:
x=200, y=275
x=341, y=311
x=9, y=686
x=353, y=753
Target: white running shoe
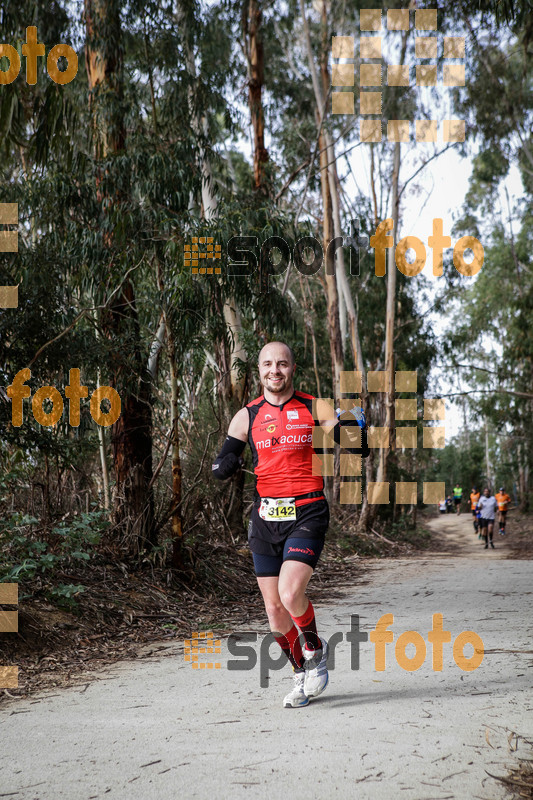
x=297, y=696
x=316, y=676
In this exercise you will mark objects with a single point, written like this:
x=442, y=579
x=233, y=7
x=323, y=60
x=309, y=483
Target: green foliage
x=28, y=555
x=63, y=595
x=462, y=462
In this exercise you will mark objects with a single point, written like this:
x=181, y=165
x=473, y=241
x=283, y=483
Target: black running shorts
x=270, y=538
x=305, y=550
x=484, y=523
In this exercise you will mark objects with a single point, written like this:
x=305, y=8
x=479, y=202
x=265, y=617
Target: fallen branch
x=379, y=535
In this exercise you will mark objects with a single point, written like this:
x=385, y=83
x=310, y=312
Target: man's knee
x=274, y=609
x=291, y=596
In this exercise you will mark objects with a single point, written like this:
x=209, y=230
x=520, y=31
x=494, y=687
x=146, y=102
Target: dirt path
x=457, y=537
x=157, y=728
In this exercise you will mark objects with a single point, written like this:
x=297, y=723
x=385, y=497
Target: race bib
x=277, y=509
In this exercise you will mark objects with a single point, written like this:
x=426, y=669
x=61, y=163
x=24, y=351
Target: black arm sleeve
x=364, y=450
x=228, y=462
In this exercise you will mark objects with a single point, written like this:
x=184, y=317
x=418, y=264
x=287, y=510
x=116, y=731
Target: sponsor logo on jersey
x=295, y=438
x=293, y=427
x=292, y=413
x=271, y=428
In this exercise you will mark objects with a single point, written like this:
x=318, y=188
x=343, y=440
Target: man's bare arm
x=325, y=414
x=239, y=425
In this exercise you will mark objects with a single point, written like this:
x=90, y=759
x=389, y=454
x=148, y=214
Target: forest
x=213, y=130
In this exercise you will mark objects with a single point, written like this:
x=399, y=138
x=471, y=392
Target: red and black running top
x=281, y=438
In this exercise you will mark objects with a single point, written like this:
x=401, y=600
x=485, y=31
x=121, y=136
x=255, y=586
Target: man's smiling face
x=276, y=368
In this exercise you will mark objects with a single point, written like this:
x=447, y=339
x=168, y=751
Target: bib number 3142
x=277, y=509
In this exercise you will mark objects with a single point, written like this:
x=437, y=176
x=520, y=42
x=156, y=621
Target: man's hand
x=331, y=420
x=229, y=459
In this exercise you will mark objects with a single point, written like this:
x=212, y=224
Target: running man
x=474, y=497
x=503, y=501
x=290, y=515
x=487, y=506
x=457, y=496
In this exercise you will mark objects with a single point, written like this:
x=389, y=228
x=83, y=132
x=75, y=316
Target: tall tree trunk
x=390, y=316
x=390, y=313
x=332, y=297
x=132, y=433
x=332, y=292
x=321, y=90
x=255, y=57
x=364, y=523
x=523, y=478
x=232, y=387
x=176, y=521
x=345, y=312
x=164, y=331
x=488, y=465
x=102, y=441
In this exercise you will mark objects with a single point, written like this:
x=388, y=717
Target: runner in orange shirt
x=503, y=503
x=474, y=497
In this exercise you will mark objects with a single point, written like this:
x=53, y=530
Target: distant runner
x=457, y=496
x=503, y=500
x=474, y=497
x=290, y=515
x=488, y=506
